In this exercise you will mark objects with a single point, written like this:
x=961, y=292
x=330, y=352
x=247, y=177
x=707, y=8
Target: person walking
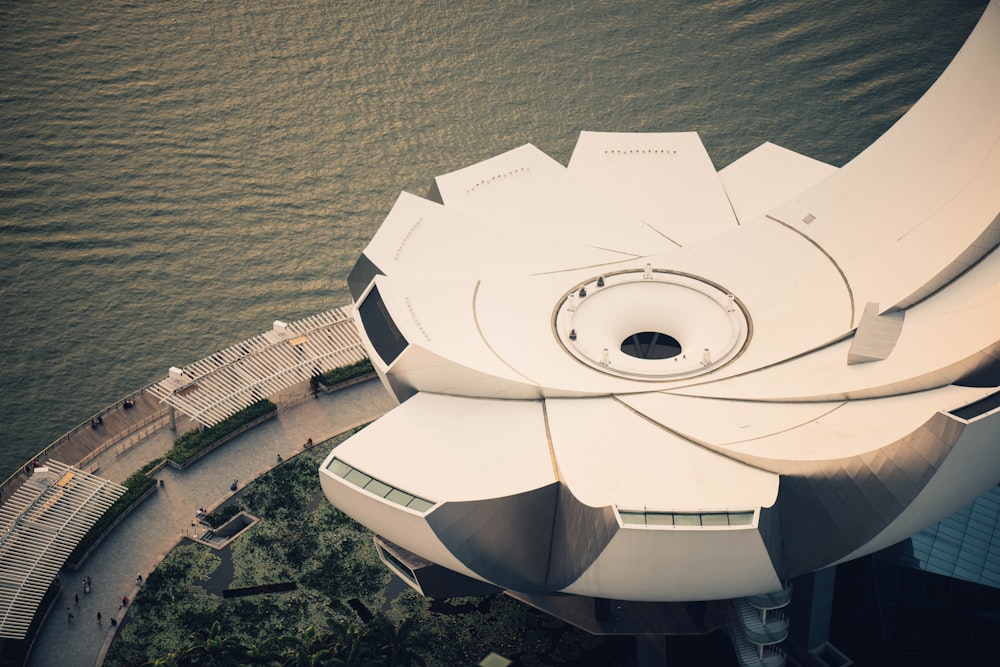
x=99, y=618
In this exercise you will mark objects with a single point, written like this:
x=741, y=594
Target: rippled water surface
x=176, y=175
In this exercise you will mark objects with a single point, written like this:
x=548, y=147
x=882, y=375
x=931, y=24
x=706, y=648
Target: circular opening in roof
x=651, y=345
x=617, y=323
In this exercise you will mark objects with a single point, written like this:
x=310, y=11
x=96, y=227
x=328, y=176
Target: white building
x=636, y=378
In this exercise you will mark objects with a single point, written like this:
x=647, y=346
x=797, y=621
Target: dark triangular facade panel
x=361, y=276
x=504, y=540
x=832, y=508
x=579, y=536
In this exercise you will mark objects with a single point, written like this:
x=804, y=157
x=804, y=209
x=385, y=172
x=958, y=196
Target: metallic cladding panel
x=361, y=276
x=830, y=508
x=504, y=540
x=769, y=527
x=579, y=536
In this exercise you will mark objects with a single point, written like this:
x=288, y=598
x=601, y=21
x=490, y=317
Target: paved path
x=144, y=538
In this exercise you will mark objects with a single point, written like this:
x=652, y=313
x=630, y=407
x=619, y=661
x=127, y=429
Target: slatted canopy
x=40, y=525
x=218, y=386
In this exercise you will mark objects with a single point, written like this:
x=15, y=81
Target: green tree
x=397, y=643
x=306, y=649
x=350, y=648
x=169, y=660
x=212, y=649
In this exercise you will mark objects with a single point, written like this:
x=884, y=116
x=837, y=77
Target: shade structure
x=634, y=377
x=41, y=524
x=213, y=388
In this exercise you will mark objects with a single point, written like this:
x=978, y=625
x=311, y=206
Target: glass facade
x=965, y=545
x=377, y=487
x=685, y=519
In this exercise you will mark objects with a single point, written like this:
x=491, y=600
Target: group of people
x=100, y=619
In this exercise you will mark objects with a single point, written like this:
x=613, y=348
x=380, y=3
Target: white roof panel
x=464, y=244
x=665, y=179
x=525, y=189
x=446, y=448
x=608, y=455
x=899, y=213
x=768, y=176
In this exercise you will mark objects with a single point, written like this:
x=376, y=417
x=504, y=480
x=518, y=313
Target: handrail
x=23, y=471
x=773, y=630
x=772, y=600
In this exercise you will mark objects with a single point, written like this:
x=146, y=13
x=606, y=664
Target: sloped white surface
x=813, y=431
x=483, y=449
x=768, y=176
x=913, y=201
x=938, y=335
x=665, y=179
x=527, y=190
x=464, y=244
x=608, y=455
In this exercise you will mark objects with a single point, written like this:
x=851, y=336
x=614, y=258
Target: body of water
x=176, y=175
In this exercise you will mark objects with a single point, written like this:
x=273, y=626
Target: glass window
x=400, y=565
x=687, y=519
x=357, y=478
x=420, y=505
x=715, y=519
x=633, y=518
x=659, y=519
x=380, y=489
x=339, y=468
x=399, y=497
x=741, y=518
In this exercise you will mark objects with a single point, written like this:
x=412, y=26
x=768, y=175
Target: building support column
x=651, y=650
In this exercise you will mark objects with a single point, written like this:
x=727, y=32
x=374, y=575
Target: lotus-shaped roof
x=636, y=377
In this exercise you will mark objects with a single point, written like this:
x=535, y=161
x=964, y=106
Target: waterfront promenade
x=141, y=541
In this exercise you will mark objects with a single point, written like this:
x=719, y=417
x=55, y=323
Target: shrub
x=344, y=373
x=222, y=515
x=192, y=443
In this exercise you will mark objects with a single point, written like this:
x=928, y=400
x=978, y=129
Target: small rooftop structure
x=213, y=388
x=40, y=525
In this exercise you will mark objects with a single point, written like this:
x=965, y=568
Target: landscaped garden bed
x=194, y=444
x=343, y=376
x=302, y=539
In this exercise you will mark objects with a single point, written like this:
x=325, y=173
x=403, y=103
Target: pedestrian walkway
x=141, y=541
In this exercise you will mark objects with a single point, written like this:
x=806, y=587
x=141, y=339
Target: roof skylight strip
x=377, y=487
x=643, y=518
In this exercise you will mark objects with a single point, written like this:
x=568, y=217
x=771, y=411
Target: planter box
x=223, y=440
x=347, y=383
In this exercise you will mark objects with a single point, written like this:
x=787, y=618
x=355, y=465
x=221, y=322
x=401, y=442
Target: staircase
x=755, y=628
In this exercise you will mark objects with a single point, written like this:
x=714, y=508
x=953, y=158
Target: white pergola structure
x=40, y=525
x=637, y=378
x=213, y=388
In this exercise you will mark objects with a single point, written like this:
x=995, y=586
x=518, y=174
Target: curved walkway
x=141, y=541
